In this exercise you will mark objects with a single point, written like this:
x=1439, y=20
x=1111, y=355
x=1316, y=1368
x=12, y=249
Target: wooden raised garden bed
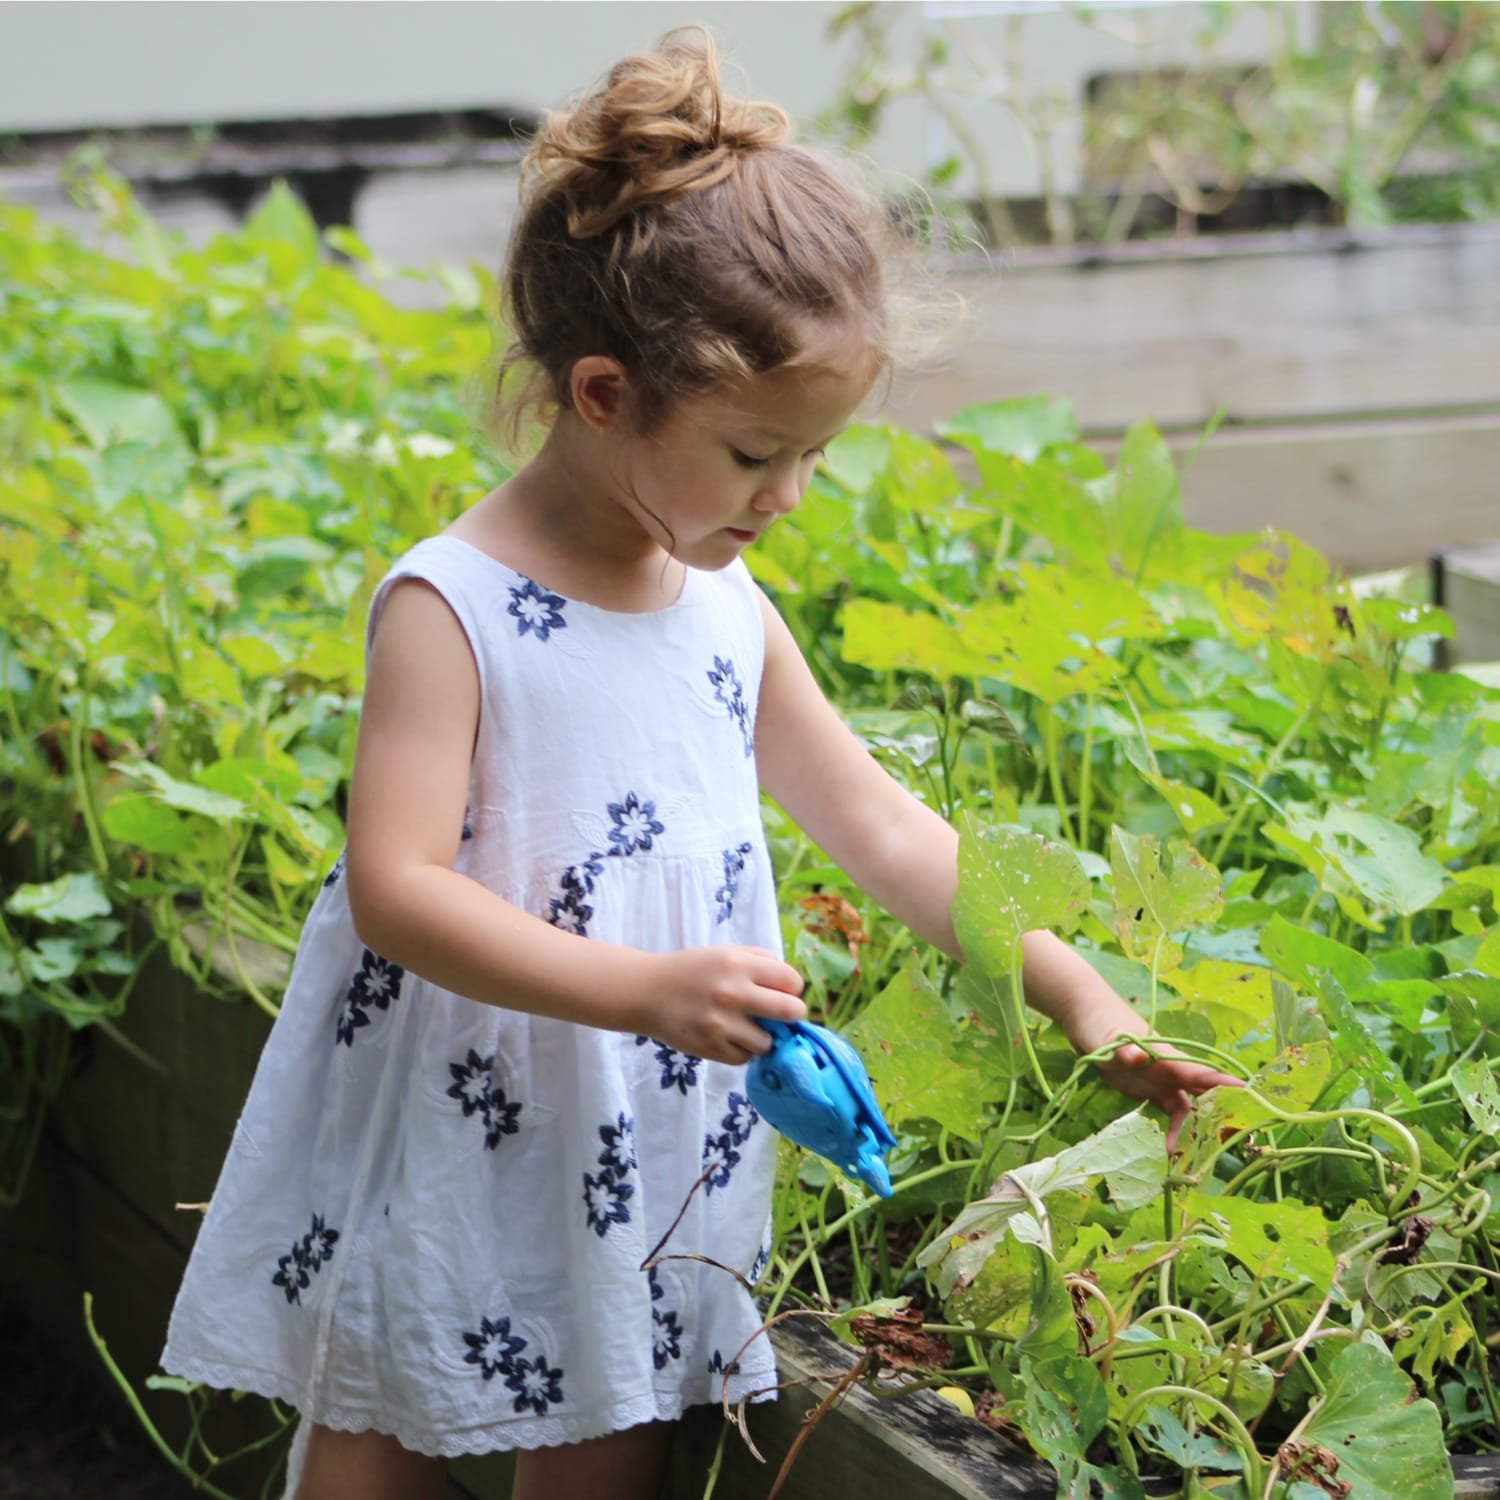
x=1358, y=374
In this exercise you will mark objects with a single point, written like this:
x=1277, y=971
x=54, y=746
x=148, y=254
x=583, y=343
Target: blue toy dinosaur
x=814, y=1089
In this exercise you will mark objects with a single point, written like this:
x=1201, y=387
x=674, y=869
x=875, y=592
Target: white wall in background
x=67, y=63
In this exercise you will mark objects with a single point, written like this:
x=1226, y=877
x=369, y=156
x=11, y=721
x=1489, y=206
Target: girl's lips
x=741, y=536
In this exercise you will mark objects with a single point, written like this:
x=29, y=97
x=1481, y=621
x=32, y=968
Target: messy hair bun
x=676, y=230
x=659, y=128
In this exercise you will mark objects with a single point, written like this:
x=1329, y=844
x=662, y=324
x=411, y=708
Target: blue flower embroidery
x=534, y=1384
x=606, y=1196
x=666, y=1334
x=666, y=1330
x=493, y=1348
x=537, y=610
x=619, y=1146
x=295, y=1269
x=679, y=1070
x=730, y=691
x=468, y=828
x=740, y=1120
x=474, y=1087
x=762, y=1260
x=719, y=1160
x=377, y=984
x=716, y=1365
x=734, y=867
x=332, y=877
x=570, y=912
x=635, y=824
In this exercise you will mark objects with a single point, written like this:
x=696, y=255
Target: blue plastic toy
x=814, y=1089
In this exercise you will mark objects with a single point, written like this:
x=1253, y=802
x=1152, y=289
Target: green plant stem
x=197, y=1481
x=83, y=785
x=1054, y=770
x=808, y=1249
x=1086, y=772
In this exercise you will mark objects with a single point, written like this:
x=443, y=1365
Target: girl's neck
x=563, y=519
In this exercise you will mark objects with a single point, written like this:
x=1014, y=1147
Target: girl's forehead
x=794, y=401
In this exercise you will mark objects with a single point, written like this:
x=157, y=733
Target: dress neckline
x=684, y=597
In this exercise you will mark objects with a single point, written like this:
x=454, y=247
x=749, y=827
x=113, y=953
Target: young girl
x=515, y=1033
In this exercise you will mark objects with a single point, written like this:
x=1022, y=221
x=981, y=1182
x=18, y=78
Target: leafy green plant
x=1234, y=777
x=1387, y=111
x=1230, y=774
x=210, y=457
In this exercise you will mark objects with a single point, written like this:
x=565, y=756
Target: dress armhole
x=449, y=588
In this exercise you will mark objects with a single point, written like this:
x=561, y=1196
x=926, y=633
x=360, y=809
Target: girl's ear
x=601, y=390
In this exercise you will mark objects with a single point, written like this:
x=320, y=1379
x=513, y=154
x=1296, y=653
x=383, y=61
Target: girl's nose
x=781, y=493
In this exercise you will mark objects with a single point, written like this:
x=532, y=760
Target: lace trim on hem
x=485, y=1437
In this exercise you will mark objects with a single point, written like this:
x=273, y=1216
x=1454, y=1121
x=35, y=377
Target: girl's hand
x=1170, y=1081
x=705, y=1000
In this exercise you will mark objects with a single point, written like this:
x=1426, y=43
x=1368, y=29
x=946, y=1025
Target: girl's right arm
x=406, y=807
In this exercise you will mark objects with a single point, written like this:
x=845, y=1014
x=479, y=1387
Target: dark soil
x=60, y=1438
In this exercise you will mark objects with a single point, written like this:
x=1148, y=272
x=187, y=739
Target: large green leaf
x=889, y=638
x=1160, y=889
x=1065, y=1409
x=1129, y=1154
x=1009, y=883
x=1362, y=857
x=1286, y=1239
x=1373, y=1433
x=916, y=1057
x=108, y=412
x=1022, y=428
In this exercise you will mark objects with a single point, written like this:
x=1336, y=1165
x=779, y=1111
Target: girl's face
x=722, y=467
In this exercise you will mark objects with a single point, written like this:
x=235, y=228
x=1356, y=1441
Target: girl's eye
x=747, y=461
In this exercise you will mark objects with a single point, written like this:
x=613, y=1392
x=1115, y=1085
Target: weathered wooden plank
x=1413, y=321
x=1370, y=495
x=917, y=1447
x=180, y=1118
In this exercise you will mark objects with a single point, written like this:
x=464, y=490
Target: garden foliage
x=1230, y=775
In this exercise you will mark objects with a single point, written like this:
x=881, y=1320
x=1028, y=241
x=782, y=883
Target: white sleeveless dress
x=433, y=1212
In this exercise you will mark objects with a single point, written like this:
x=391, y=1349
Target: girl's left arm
x=906, y=857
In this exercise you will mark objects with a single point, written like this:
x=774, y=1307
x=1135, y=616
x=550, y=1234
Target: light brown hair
x=676, y=230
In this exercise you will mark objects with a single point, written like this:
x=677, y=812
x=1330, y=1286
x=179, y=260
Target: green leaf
x=70, y=898
x=1066, y=1407
x=1357, y=1048
x=1475, y=1084
x=1051, y=1329
x=1147, y=507
x=1160, y=890
x=52, y=959
x=110, y=413
x=283, y=219
x=1010, y=883
x=1383, y=1439
x=183, y=794
x=1129, y=1153
x=888, y=638
x=916, y=1057
x=1022, y=428
x=1286, y=1239
x=1189, y=1450
x=1362, y=854
x=146, y=823
x=857, y=457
